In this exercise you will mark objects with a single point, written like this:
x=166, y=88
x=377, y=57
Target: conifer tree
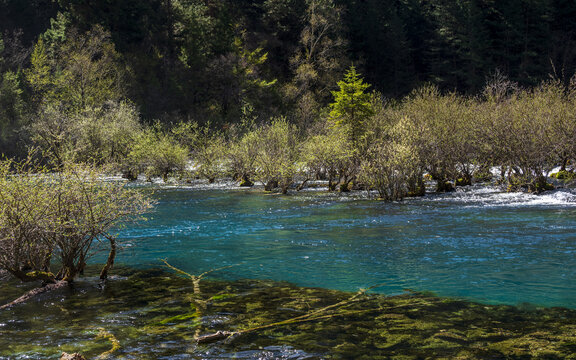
x=352, y=106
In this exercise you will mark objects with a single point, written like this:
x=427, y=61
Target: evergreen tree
x=352, y=105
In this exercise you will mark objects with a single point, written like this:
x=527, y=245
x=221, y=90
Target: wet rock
x=75, y=356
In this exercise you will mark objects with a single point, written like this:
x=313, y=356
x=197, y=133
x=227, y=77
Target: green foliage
x=56, y=34
x=564, y=175
x=155, y=154
x=352, y=105
x=193, y=29
x=242, y=157
x=208, y=148
x=328, y=155
x=387, y=167
x=209, y=155
x=100, y=135
x=277, y=154
x=58, y=218
x=441, y=129
x=76, y=70
x=12, y=112
x=52, y=132
x=105, y=135
x=38, y=74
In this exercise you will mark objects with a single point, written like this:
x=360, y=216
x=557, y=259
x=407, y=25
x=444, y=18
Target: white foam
x=495, y=197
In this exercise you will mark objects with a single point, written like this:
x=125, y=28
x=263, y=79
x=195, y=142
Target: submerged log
x=217, y=336
x=32, y=293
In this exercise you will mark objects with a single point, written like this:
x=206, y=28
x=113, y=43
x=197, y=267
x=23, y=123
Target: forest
x=364, y=94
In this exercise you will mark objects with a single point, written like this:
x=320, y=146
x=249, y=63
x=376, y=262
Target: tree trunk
x=302, y=185
x=110, y=261
x=32, y=293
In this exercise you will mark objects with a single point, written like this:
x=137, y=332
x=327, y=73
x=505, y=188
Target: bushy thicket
x=52, y=222
x=362, y=141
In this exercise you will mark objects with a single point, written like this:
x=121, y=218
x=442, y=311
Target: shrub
x=277, y=154
x=155, y=154
x=61, y=216
x=242, y=157
x=329, y=155
x=106, y=134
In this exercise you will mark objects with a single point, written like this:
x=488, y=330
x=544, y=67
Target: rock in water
x=75, y=356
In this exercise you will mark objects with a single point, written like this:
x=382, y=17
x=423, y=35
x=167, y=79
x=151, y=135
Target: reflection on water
x=478, y=243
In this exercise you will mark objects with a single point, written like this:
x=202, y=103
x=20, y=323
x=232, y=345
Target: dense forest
x=205, y=59
x=379, y=83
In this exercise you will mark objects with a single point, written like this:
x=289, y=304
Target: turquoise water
x=478, y=244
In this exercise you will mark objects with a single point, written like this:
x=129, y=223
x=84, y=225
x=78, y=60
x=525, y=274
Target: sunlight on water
x=479, y=243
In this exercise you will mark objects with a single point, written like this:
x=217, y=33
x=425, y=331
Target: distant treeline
x=210, y=59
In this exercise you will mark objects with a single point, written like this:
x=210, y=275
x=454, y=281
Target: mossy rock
x=564, y=175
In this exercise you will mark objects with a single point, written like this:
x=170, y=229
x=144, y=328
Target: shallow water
x=154, y=315
x=479, y=244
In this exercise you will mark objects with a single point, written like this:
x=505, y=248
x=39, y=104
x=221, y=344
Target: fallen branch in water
x=200, y=304
x=217, y=336
x=311, y=316
x=322, y=313
x=35, y=292
x=195, y=278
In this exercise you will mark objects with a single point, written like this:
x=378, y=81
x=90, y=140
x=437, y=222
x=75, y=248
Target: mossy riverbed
x=153, y=314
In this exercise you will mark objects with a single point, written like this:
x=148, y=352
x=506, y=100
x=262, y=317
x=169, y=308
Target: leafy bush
x=106, y=134
x=277, y=154
x=242, y=156
x=329, y=154
x=155, y=154
x=387, y=167
x=58, y=219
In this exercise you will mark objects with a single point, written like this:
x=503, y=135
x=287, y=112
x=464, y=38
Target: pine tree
x=352, y=106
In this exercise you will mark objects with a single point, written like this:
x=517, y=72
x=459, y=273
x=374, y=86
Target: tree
x=91, y=72
x=319, y=59
x=156, y=154
x=77, y=70
x=105, y=135
x=352, y=105
x=329, y=155
x=378, y=38
x=12, y=112
x=242, y=154
x=440, y=128
x=387, y=167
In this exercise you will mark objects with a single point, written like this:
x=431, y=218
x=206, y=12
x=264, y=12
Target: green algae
x=152, y=314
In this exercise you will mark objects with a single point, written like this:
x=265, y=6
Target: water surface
x=479, y=243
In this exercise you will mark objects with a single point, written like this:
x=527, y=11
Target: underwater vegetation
x=153, y=314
